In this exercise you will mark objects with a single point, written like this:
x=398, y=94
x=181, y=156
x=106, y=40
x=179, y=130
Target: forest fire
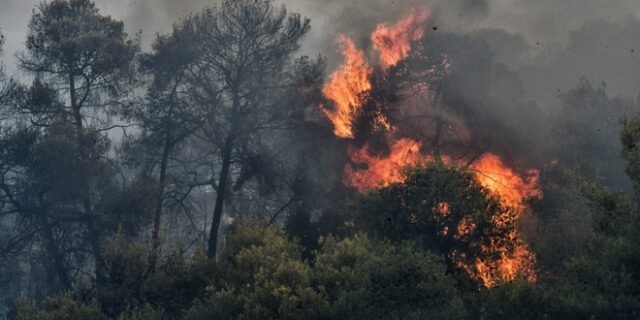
x=513, y=189
x=215, y=165
x=490, y=170
x=347, y=88
x=394, y=42
x=382, y=171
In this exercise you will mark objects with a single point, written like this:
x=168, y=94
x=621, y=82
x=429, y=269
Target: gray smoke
x=558, y=40
x=535, y=51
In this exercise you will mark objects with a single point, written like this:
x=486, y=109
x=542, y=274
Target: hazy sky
x=560, y=40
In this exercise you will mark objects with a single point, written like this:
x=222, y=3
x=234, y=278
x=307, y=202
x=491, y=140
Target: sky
x=551, y=44
x=541, y=49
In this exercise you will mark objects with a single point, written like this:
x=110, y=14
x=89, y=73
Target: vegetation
x=195, y=182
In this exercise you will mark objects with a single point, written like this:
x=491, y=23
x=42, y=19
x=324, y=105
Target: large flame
x=381, y=171
x=346, y=86
x=394, y=42
x=494, y=175
x=350, y=81
x=503, y=258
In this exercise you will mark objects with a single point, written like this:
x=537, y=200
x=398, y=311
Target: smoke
x=515, y=58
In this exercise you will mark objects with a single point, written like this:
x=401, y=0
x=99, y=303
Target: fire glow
x=393, y=43
x=346, y=86
x=346, y=89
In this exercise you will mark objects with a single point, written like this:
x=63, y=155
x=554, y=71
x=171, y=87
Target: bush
x=446, y=210
x=130, y=284
x=61, y=307
x=267, y=279
x=513, y=301
x=369, y=279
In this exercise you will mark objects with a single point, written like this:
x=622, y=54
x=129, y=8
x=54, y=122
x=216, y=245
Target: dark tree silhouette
x=244, y=48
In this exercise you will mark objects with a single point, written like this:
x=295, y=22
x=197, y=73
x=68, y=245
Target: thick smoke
x=517, y=60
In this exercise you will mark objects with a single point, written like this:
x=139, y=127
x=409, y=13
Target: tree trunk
x=94, y=235
x=54, y=250
x=77, y=116
x=155, y=237
x=220, y=195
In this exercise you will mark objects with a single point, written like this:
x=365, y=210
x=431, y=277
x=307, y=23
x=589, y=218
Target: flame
x=381, y=171
x=394, y=42
x=503, y=264
x=350, y=81
x=491, y=172
x=494, y=175
x=502, y=259
x=346, y=86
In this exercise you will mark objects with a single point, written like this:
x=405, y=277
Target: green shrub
x=62, y=307
x=369, y=279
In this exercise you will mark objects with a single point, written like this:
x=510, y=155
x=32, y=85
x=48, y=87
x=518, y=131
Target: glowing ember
x=345, y=87
x=443, y=209
x=394, y=42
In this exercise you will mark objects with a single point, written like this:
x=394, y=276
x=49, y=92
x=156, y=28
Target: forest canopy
x=222, y=173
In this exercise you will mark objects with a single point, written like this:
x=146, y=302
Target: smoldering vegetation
x=175, y=160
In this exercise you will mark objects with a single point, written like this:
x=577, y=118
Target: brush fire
x=353, y=92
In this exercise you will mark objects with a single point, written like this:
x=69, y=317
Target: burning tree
x=397, y=114
x=448, y=210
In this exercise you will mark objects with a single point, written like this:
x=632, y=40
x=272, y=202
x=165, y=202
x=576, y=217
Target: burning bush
x=448, y=210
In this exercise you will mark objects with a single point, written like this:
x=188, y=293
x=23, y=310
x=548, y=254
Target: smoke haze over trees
x=184, y=159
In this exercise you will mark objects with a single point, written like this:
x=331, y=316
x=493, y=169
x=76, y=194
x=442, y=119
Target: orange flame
x=345, y=87
x=503, y=258
x=490, y=170
x=494, y=175
x=351, y=80
x=394, y=42
x=381, y=171
x=499, y=263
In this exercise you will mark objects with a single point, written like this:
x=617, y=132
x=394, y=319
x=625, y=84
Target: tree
x=370, y=279
x=515, y=300
x=604, y=282
x=244, y=50
x=82, y=63
x=7, y=86
x=84, y=56
x=41, y=188
x=354, y=278
x=266, y=278
x=59, y=308
x=167, y=119
x=446, y=210
x=629, y=139
x=593, y=133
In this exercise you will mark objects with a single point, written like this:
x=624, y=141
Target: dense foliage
x=195, y=181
